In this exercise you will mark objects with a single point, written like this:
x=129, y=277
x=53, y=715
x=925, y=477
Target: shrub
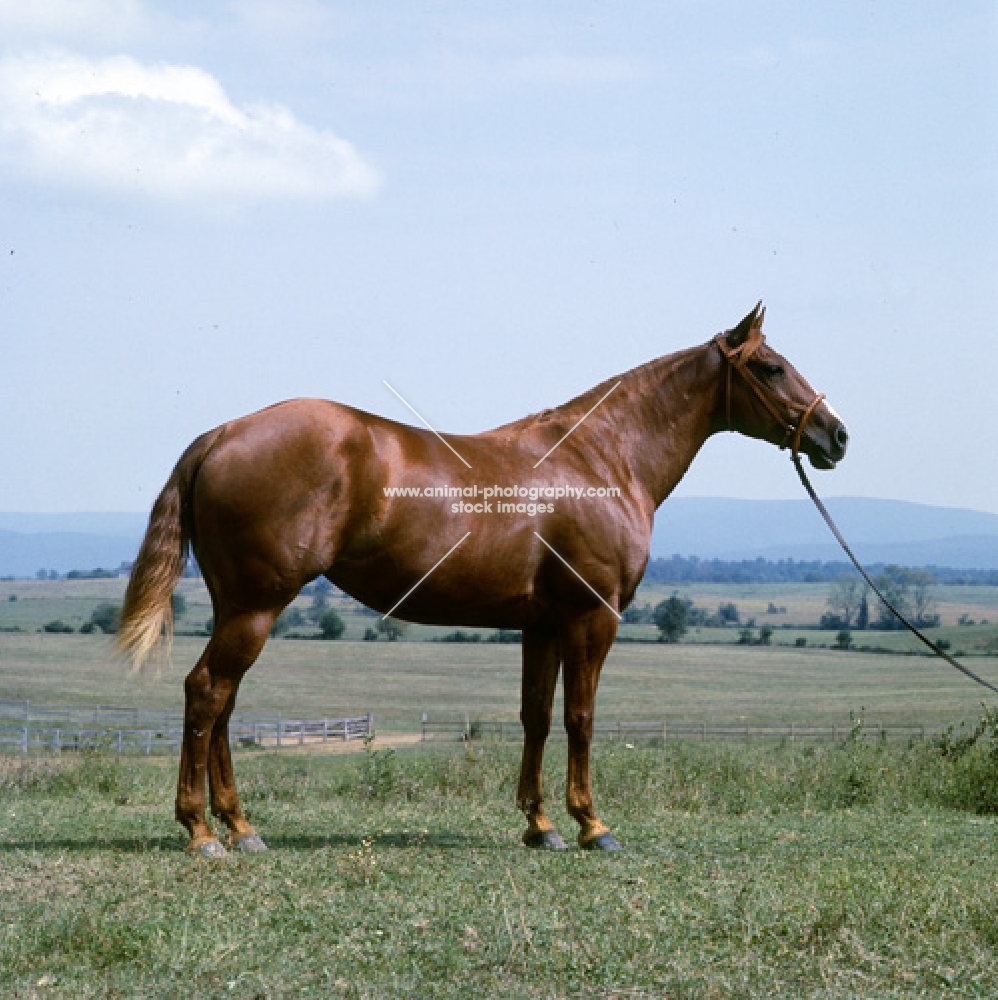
x=57, y=626
x=844, y=639
x=179, y=604
x=331, y=625
x=460, y=636
x=106, y=616
x=506, y=635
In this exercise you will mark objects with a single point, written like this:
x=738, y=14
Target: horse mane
x=638, y=380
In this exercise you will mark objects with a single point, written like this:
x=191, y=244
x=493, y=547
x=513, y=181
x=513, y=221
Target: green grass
x=398, y=681
x=863, y=871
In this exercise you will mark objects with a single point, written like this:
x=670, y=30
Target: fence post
x=422, y=729
x=148, y=742
x=620, y=730
x=665, y=731
x=278, y=732
x=370, y=723
x=467, y=728
x=117, y=743
x=791, y=734
x=56, y=748
x=256, y=734
x=703, y=731
x=24, y=740
x=325, y=730
x=301, y=732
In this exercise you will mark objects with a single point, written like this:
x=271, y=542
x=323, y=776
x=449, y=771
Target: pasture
x=862, y=869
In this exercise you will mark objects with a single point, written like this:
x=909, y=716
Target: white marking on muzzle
x=832, y=411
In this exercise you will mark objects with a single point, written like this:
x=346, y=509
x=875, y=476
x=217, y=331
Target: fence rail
x=450, y=730
x=244, y=732
x=105, y=716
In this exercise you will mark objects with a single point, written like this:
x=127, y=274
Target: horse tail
x=147, y=613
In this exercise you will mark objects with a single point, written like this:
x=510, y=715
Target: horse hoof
x=604, y=842
x=210, y=849
x=547, y=840
x=250, y=843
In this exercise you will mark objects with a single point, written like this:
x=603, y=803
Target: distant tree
x=863, y=615
x=671, y=617
x=42, y=574
x=727, y=613
x=392, y=628
x=209, y=625
x=844, y=639
x=765, y=635
x=636, y=615
x=179, y=604
x=53, y=575
x=289, y=618
x=106, y=617
x=370, y=635
x=910, y=591
x=331, y=625
x=746, y=637
x=844, y=598
x=923, y=600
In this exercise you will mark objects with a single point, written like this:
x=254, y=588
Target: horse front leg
x=585, y=643
x=541, y=662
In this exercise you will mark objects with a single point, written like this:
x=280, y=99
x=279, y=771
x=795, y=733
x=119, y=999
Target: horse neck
x=659, y=417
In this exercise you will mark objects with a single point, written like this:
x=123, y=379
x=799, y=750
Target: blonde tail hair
x=147, y=614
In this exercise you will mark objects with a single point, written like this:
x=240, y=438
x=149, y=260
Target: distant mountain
x=878, y=530
x=62, y=542
x=709, y=527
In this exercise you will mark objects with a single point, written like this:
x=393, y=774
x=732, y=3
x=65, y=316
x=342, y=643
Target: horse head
x=765, y=397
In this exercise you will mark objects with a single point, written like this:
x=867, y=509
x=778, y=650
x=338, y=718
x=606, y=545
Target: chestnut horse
x=300, y=490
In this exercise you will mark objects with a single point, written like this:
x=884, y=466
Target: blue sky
x=208, y=208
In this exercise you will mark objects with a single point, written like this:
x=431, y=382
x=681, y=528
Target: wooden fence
x=29, y=728
x=466, y=729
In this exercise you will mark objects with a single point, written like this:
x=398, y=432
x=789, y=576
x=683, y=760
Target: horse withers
x=310, y=488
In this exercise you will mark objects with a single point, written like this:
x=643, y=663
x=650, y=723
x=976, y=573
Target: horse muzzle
x=826, y=446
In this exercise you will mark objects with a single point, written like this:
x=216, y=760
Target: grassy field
x=862, y=871
x=398, y=681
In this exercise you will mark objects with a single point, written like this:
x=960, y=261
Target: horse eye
x=772, y=371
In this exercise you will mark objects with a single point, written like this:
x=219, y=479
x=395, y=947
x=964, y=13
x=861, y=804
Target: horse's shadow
x=432, y=841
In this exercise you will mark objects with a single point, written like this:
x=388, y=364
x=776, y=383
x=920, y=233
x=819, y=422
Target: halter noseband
x=737, y=360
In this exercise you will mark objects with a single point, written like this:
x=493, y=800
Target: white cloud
x=163, y=131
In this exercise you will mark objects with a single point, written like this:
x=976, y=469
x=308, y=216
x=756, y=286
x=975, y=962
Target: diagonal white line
x=572, y=431
x=437, y=563
x=572, y=568
x=428, y=424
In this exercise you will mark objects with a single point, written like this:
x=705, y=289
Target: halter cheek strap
x=737, y=360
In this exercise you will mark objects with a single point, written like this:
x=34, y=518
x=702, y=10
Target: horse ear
x=751, y=323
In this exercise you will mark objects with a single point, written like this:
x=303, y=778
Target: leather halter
x=737, y=360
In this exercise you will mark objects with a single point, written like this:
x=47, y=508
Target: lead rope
x=866, y=576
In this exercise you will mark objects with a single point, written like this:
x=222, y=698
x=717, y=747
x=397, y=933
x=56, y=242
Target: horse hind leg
x=223, y=797
x=541, y=661
x=210, y=691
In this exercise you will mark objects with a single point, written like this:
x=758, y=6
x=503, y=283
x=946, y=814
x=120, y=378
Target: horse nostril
x=841, y=436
